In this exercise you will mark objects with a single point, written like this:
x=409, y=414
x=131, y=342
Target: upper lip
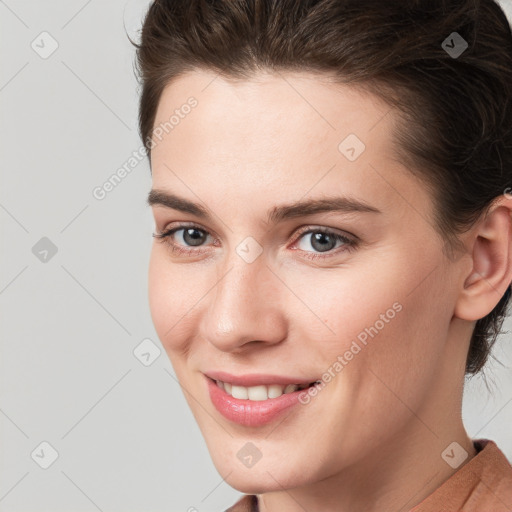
x=256, y=379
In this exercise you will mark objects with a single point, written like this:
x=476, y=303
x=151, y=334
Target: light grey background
x=125, y=438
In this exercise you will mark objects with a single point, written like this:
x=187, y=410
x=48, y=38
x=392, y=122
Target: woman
x=332, y=251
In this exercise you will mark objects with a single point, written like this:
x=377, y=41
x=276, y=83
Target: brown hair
x=455, y=110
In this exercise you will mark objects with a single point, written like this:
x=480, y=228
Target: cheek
x=349, y=304
x=169, y=298
x=378, y=306
x=385, y=352
x=401, y=329
x=382, y=318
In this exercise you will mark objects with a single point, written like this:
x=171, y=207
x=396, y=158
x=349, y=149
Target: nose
x=245, y=307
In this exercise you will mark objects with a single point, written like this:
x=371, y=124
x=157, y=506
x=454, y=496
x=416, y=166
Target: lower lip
x=250, y=413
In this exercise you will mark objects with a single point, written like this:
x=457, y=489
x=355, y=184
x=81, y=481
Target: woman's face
x=354, y=293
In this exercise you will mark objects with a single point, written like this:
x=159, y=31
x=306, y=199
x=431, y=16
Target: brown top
x=484, y=484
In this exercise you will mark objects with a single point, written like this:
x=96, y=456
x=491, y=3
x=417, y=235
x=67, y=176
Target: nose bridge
x=243, y=306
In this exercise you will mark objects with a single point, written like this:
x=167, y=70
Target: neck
x=403, y=473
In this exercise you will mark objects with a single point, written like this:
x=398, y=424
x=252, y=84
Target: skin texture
x=372, y=438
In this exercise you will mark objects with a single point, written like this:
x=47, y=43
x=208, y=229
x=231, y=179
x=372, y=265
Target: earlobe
x=491, y=273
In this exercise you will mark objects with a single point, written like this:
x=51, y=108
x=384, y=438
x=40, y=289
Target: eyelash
x=349, y=243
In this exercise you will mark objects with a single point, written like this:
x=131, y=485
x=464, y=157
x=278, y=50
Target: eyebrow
x=302, y=208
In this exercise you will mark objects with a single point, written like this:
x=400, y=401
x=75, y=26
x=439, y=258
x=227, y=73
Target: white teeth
x=258, y=393
x=239, y=392
x=275, y=391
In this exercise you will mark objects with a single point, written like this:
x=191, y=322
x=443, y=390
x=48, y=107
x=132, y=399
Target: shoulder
x=484, y=484
x=247, y=503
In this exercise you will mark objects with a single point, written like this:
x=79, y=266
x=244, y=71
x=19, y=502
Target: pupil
x=193, y=236
x=321, y=238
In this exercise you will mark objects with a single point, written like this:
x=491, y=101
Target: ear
x=491, y=251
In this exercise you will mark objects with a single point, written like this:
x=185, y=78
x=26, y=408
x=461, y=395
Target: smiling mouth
x=260, y=392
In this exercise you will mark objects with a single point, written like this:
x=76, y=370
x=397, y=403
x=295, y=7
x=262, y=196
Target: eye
x=186, y=239
x=323, y=240
x=191, y=236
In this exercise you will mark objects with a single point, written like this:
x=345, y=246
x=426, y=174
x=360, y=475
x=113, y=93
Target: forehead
x=292, y=105
x=278, y=134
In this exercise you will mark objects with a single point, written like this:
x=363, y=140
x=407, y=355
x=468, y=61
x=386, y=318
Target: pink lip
x=250, y=413
x=256, y=379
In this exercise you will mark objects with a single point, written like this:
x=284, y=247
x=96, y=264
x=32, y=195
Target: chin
x=262, y=477
x=249, y=483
